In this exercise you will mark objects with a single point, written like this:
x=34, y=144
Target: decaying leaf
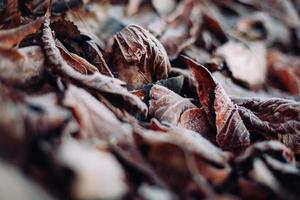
x=139, y=57
x=220, y=110
x=184, y=155
x=98, y=175
x=95, y=120
x=96, y=81
x=286, y=70
x=220, y=80
x=247, y=62
x=236, y=121
x=263, y=165
x=181, y=28
x=261, y=116
x=167, y=106
x=22, y=68
x=11, y=37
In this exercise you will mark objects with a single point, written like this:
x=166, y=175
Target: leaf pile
x=147, y=99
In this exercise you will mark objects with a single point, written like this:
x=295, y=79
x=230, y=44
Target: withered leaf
x=220, y=110
x=235, y=121
x=169, y=107
x=184, y=155
x=262, y=116
x=96, y=81
x=273, y=148
x=264, y=163
x=10, y=37
x=23, y=67
x=95, y=120
x=95, y=57
x=98, y=175
x=166, y=105
x=139, y=58
x=66, y=29
x=261, y=26
x=247, y=62
x=182, y=27
x=216, y=76
x=284, y=69
x=77, y=62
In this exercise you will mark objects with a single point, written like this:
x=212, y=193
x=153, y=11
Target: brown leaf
x=184, y=159
x=247, y=62
x=96, y=82
x=166, y=105
x=97, y=173
x=95, y=120
x=10, y=37
x=261, y=26
x=139, y=58
x=95, y=57
x=66, y=29
x=181, y=28
x=272, y=148
x=195, y=119
x=23, y=67
x=269, y=164
x=285, y=70
x=273, y=118
x=169, y=107
x=77, y=62
x=220, y=110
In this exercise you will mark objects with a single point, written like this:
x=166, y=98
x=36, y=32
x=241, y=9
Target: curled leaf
x=10, y=37
x=96, y=82
x=220, y=110
x=181, y=28
x=139, y=58
x=261, y=116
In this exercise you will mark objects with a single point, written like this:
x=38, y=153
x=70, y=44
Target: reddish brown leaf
x=285, y=70
x=220, y=110
x=10, y=37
